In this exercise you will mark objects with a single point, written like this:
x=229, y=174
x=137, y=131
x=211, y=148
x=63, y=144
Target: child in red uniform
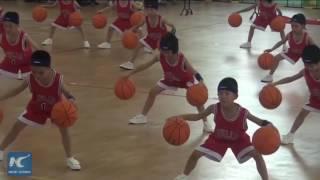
x=1, y=24
x=125, y=8
x=156, y=28
x=267, y=11
x=17, y=47
x=298, y=38
x=178, y=73
x=66, y=8
x=311, y=74
x=47, y=89
x=230, y=131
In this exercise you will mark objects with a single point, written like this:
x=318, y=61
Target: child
x=1, y=24
x=229, y=132
x=66, y=8
x=125, y=9
x=46, y=87
x=178, y=73
x=298, y=39
x=311, y=74
x=267, y=11
x=156, y=28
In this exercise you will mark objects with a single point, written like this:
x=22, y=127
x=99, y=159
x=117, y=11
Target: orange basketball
x=266, y=140
x=197, y=95
x=64, y=114
x=278, y=24
x=265, y=61
x=99, y=21
x=124, y=89
x=130, y=40
x=235, y=20
x=136, y=18
x=176, y=131
x=39, y=14
x=270, y=97
x=75, y=19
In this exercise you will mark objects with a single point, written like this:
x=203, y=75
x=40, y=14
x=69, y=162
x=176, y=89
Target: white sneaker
x=207, y=127
x=47, y=42
x=86, y=44
x=138, y=119
x=287, y=139
x=1, y=155
x=73, y=164
x=147, y=50
x=267, y=78
x=285, y=48
x=246, y=45
x=104, y=45
x=128, y=66
x=181, y=177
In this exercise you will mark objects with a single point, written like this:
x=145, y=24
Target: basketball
x=278, y=24
x=130, y=40
x=99, y=21
x=235, y=20
x=64, y=114
x=270, y=97
x=266, y=140
x=176, y=131
x=197, y=95
x=265, y=61
x=39, y=14
x=124, y=89
x=136, y=18
x=75, y=19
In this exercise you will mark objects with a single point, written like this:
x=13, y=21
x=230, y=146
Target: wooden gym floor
x=109, y=148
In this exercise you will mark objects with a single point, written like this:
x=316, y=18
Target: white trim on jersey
x=287, y=58
x=116, y=28
x=142, y=41
x=312, y=109
x=243, y=156
x=210, y=154
x=259, y=27
x=27, y=121
x=14, y=75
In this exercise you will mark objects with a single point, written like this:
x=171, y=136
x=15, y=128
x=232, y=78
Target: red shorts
x=32, y=117
x=150, y=43
x=215, y=148
x=121, y=24
x=291, y=57
x=262, y=23
x=62, y=21
x=313, y=105
x=174, y=85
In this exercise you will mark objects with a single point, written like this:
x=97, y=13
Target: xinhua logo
x=19, y=164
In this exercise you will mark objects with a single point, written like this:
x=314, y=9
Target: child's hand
x=268, y=50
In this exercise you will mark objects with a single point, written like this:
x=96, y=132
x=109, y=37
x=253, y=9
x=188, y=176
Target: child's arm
x=32, y=43
x=144, y=66
x=310, y=41
x=194, y=72
x=67, y=94
x=14, y=92
x=258, y=121
x=279, y=11
x=278, y=44
x=196, y=117
x=289, y=79
x=167, y=23
x=50, y=5
x=247, y=9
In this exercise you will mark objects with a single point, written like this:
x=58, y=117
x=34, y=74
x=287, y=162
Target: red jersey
x=297, y=48
x=17, y=55
x=44, y=97
x=314, y=88
x=155, y=33
x=66, y=8
x=124, y=12
x=230, y=130
x=268, y=12
x=177, y=72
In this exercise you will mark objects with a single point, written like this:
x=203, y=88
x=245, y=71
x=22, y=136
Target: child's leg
x=154, y=92
x=282, y=35
x=48, y=41
x=136, y=52
x=130, y=64
x=299, y=120
x=192, y=162
x=261, y=165
x=85, y=41
x=269, y=78
x=109, y=34
x=251, y=33
x=106, y=44
x=12, y=135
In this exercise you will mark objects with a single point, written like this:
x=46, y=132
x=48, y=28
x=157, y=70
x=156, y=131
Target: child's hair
x=40, y=58
x=299, y=18
x=311, y=54
x=154, y=4
x=11, y=16
x=169, y=42
x=229, y=84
